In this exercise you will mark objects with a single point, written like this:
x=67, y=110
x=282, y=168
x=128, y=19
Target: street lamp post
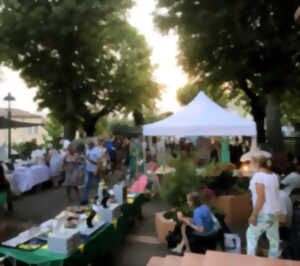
x=9, y=98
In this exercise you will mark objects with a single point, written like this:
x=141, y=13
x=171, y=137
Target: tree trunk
x=70, y=123
x=259, y=118
x=69, y=129
x=138, y=118
x=274, y=133
x=89, y=125
x=91, y=119
x=257, y=110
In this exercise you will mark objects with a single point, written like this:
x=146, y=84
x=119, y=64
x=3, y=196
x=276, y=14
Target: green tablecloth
x=40, y=256
x=103, y=241
x=133, y=209
x=97, y=245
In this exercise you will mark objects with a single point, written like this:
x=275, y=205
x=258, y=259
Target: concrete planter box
x=236, y=207
x=163, y=226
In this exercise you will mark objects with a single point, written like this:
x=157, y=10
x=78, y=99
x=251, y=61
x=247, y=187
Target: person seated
x=286, y=215
x=292, y=180
x=5, y=187
x=196, y=231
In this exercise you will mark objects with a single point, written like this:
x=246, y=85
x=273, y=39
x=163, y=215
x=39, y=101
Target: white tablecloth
x=25, y=178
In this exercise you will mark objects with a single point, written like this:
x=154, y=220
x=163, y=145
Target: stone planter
x=163, y=226
x=236, y=207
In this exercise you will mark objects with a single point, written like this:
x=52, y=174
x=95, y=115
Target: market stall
x=103, y=240
x=25, y=178
x=203, y=117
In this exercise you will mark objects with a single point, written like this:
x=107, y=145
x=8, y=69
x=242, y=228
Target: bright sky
x=11, y=82
x=164, y=55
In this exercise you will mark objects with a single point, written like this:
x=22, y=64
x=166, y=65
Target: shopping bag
x=232, y=243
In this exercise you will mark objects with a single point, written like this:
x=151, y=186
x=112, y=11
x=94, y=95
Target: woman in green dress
x=136, y=164
x=225, y=154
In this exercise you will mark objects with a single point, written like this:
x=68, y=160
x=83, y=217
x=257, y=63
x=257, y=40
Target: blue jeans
x=88, y=178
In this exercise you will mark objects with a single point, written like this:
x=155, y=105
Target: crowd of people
x=217, y=149
x=86, y=163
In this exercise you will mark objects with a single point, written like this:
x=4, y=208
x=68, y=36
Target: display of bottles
x=100, y=191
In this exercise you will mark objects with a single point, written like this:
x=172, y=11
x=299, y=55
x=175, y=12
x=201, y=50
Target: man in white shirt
x=92, y=156
x=286, y=210
x=65, y=143
x=291, y=181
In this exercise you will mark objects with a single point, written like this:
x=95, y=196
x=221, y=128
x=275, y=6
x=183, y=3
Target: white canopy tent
x=201, y=117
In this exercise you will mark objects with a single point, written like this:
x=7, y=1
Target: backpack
x=174, y=237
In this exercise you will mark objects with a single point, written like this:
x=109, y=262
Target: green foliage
x=102, y=127
x=55, y=131
x=290, y=107
x=223, y=42
x=122, y=125
x=187, y=93
x=113, y=126
x=253, y=46
x=83, y=56
x=217, y=176
x=151, y=116
x=177, y=185
x=223, y=96
x=25, y=149
x=117, y=126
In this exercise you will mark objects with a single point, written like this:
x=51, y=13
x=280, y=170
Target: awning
x=6, y=123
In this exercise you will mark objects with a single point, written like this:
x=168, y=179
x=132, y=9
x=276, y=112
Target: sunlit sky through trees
x=164, y=56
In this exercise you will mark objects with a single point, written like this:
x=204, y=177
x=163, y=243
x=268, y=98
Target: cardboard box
x=107, y=215
x=64, y=243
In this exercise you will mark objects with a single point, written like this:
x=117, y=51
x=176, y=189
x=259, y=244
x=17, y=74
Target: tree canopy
x=223, y=96
x=251, y=45
x=54, y=131
x=79, y=55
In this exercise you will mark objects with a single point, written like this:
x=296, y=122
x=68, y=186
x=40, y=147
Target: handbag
x=79, y=175
x=174, y=237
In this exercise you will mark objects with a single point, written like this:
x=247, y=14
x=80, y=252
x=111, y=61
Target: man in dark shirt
x=111, y=149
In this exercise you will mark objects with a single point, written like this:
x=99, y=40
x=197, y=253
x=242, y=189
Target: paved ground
x=140, y=245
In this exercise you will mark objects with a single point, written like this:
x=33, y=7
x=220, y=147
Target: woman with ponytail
x=264, y=187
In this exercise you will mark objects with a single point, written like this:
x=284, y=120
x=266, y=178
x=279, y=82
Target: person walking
x=92, y=155
x=110, y=146
x=71, y=162
x=264, y=187
x=54, y=161
x=5, y=187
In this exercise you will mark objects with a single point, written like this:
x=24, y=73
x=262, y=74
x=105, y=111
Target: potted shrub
x=231, y=191
x=175, y=187
x=231, y=196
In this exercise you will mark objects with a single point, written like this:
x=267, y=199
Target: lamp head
x=9, y=97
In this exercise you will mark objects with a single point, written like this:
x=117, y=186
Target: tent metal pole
x=9, y=131
x=253, y=144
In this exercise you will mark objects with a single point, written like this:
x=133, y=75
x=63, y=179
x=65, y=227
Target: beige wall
x=19, y=135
